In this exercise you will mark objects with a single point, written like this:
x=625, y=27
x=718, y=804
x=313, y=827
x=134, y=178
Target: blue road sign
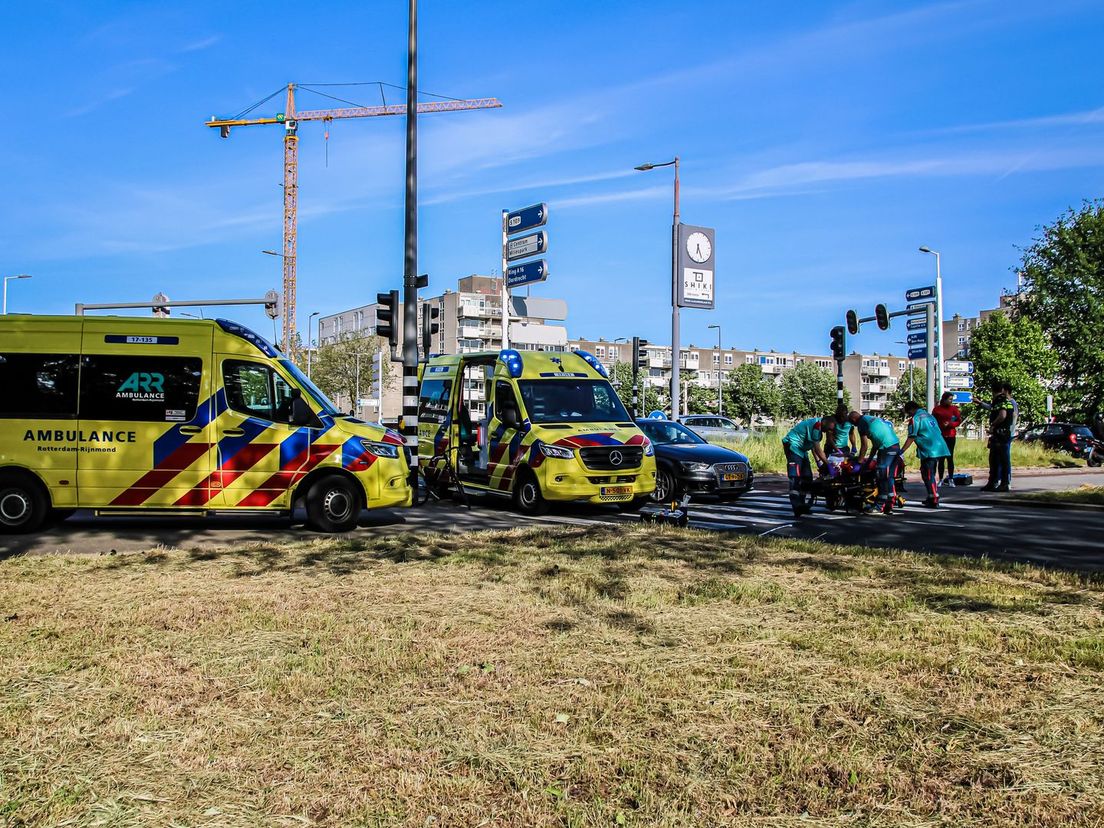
x=527, y=273
x=920, y=293
x=919, y=307
x=657, y=415
x=918, y=353
x=523, y=246
x=917, y=338
x=527, y=218
x=961, y=397
x=917, y=324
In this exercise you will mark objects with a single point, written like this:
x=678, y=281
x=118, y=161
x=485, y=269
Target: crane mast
x=290, y=118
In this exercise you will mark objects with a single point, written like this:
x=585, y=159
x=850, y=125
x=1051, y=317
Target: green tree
x=1063, y=274
x=334, y=367
x=654, y=397
x=913, y=385
x=808, y=390
x=1014, y=351
x=749, y=393
x=703, y=399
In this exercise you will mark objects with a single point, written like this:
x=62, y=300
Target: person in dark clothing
x=948, y=415
x=1002, y=425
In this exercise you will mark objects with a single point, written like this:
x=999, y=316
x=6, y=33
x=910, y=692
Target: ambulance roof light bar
x=269, y=299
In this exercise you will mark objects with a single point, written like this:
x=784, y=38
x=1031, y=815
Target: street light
x=6, y=280
x=675, y=398
x=940, y=373
x=310, y=348
x=720, y=410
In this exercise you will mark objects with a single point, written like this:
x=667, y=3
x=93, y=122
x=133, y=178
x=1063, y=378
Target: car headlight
x=697, y=466
x=381, y=449
x=559, y=452
x=649, y=449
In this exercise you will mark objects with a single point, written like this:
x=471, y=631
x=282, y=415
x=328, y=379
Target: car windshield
x=663, y=432
x=313, y=390
x=1082, y=431
x=571, y=401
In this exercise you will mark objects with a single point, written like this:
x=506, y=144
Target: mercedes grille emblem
x=616, y=458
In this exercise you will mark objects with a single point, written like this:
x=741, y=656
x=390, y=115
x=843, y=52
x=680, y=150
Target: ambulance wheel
x=24, y=503
x=333, y=504
x=527, y=494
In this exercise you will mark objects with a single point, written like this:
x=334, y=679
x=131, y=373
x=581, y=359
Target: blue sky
x=825, y=142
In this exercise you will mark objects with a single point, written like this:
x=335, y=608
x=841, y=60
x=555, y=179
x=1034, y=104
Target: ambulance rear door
x=145, y=413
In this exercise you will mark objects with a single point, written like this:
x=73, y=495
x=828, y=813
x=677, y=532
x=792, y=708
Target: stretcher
x=848, y=485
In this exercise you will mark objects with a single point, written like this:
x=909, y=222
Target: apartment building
x=470, y=320
x=870, y=378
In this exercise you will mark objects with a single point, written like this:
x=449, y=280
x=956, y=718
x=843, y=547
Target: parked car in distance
x=687, y=464
x=714, y=428
x=1068, y=437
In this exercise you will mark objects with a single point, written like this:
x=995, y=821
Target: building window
x=962, y=324
x=600, y=351
x=901, y=365
x=749, y=359
x=962, y=340
x=728, y=359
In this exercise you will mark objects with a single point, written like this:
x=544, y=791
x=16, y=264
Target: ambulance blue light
x=258, y=342
x=512, y=360
x=594, y=363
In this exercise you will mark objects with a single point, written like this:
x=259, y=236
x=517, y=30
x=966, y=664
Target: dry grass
x=551, y=677
x=1093, y=495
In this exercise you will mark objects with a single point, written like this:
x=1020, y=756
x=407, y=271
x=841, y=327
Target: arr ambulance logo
x=142, y=387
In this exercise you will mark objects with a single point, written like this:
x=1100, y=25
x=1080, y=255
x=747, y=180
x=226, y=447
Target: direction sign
x=527, y=273
x=919, y=307
x=917, y=338
x=961, y=397
x=958, y=381
x=532, y=245
x=527, y=218
x=957, y=366
x=917, y=294
x=917, y=324
x=918, y=353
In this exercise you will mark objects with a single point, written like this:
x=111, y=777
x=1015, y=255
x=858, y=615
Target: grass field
x=764, y=450
x=575, y=677
x=1093, y=495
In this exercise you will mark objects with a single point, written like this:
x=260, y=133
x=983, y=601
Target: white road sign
x=959, y=381
x=959, y=366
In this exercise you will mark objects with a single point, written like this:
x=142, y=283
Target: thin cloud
x=203, y=43
x=96, y=103
x=1086, y=117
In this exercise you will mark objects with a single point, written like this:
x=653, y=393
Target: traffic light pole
x=410, y=268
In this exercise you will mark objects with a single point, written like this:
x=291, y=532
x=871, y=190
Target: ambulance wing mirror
x=509, y=417
x=301, y=414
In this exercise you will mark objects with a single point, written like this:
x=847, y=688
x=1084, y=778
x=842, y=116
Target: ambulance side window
x=256, y=390
x=140, y=388
x=434, y=403
x=38, y=385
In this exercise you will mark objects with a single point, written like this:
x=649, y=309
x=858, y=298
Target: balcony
x=875, y=371
x=875, y=405
x=772, y=369
x=872, y=388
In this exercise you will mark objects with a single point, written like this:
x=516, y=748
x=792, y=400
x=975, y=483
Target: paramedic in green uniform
x=804, y=437
x=924, y=431
x=881, y=442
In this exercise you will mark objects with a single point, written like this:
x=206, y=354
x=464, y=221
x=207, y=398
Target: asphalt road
x=969, y=522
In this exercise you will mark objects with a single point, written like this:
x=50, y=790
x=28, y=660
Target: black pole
x=410, y=268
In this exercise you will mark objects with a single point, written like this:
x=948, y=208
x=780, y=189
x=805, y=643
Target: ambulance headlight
x=559, y=452
x=381, y=449
x=649, y=449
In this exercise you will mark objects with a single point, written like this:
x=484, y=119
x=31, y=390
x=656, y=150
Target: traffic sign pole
x=939, y=321
x=505, y=287
x=931, y=360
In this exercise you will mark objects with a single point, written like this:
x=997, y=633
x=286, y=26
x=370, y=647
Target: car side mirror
x=301, y=414
x=509, y=417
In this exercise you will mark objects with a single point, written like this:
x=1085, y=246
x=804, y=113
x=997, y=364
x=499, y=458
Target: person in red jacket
x=948, y=416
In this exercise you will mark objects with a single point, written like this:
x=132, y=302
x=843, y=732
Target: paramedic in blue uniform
x=931, y=448
x=879, y=442
x=804, y=437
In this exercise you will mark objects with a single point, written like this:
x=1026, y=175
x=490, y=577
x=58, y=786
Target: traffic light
x=881, y=313
x=839, y=342
x=639, y=353
x=387, y=313
x=429, y=326
x=272, y=304
x=852, y=322
x=422, y=281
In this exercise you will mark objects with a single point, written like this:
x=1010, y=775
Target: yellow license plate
x=732, y=477
x=616, y=490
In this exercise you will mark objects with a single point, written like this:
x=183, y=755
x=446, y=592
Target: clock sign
x=695, y=267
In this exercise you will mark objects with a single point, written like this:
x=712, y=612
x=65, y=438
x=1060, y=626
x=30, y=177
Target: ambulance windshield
x=571, y=401
x=312, y=389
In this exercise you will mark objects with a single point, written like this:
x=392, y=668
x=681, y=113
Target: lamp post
x=940, y=373
x=720, y=410
x=310, y=342
x=675, y=355
x=6, y=280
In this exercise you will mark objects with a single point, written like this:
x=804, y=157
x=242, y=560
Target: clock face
x=698, y=247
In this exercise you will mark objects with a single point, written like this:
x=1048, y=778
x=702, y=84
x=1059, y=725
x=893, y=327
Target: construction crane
x=290, y=120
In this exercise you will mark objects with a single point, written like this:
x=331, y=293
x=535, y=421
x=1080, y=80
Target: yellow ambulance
x=154, y=416
x=532, y=426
